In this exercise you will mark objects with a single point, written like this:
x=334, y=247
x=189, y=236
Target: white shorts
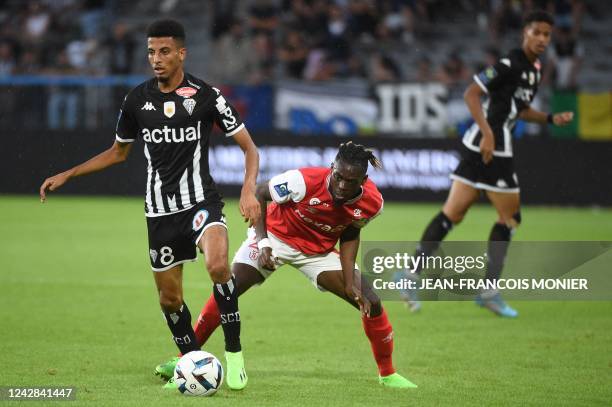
x=310, y=265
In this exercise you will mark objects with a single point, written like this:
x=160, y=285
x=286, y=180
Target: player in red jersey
x=311, y=210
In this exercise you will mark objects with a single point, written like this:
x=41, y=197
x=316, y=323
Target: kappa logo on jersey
x=230, y=121
x=314, y=201
x=172, y=135
x=282, y=189
x=169, y=109
x=189, y=104
x=153, y=254
x=186, y=91
x=148, y=106
x=200, y=219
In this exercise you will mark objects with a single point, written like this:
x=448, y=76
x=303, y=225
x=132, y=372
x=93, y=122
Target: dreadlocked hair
x=357, y=154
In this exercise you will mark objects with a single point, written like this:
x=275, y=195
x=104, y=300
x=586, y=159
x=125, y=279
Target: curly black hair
x=357, y=154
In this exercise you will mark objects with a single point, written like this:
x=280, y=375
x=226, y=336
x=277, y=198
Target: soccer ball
x=198, y=373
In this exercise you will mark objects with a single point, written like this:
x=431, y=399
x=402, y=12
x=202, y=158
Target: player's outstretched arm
x=535, y=116
x=472, y=97
x=349, y=246
x=249, y=206
x=116, y=154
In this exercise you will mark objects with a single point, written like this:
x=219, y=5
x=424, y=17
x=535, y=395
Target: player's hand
x=563, y=118
x=249, y=207
x=353, y=291
x=487, y=146
x=267, y=259
x=53, y=183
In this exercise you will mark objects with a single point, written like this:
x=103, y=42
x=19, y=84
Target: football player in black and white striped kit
x=487, y=164
x=173, y=114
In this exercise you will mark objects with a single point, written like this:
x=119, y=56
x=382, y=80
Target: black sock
x=435, y=232
x=182, y=331
x=226, y=297
x=499, y=240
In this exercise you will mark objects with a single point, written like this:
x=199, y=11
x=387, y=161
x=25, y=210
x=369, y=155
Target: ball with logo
x=198, y=373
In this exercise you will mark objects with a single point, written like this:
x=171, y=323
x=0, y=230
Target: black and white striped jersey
x=510, y=85
x=175, y=128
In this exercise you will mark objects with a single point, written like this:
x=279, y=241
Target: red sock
x=380, y=333
x=208, y=321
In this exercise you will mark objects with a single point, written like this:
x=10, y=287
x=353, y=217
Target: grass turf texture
x=79, y=308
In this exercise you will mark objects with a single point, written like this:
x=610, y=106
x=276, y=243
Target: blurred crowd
x=257, y=41
x=320, y=40
x=62, y=37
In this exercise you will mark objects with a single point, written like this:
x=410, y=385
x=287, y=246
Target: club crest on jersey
x=169, y=109
x=200, y=219
x=189, y=104
x=282, y=189
x=153, y=254
x=357, y=213
x=186, y=91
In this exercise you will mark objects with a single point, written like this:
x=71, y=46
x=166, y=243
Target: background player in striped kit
x=487, y=164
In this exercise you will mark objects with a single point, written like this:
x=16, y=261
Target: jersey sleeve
x=361, y=223
x=287, y=186
x=126, y=130
x=492, y=77
x=226, y=116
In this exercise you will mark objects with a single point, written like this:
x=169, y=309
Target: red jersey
x=303, y=213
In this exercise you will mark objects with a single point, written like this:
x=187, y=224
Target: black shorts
x=173, y=238
x=497, y=176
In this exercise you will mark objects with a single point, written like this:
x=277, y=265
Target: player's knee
x=218, y=271
x=170, y=301
x=454, y=216
x=514, y=221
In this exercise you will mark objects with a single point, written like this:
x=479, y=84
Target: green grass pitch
x=78, y=307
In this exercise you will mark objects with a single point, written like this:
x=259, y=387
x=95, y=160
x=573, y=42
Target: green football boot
x=236, y=376
x=166, y=370
x=171, y=384
x=396, y=381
